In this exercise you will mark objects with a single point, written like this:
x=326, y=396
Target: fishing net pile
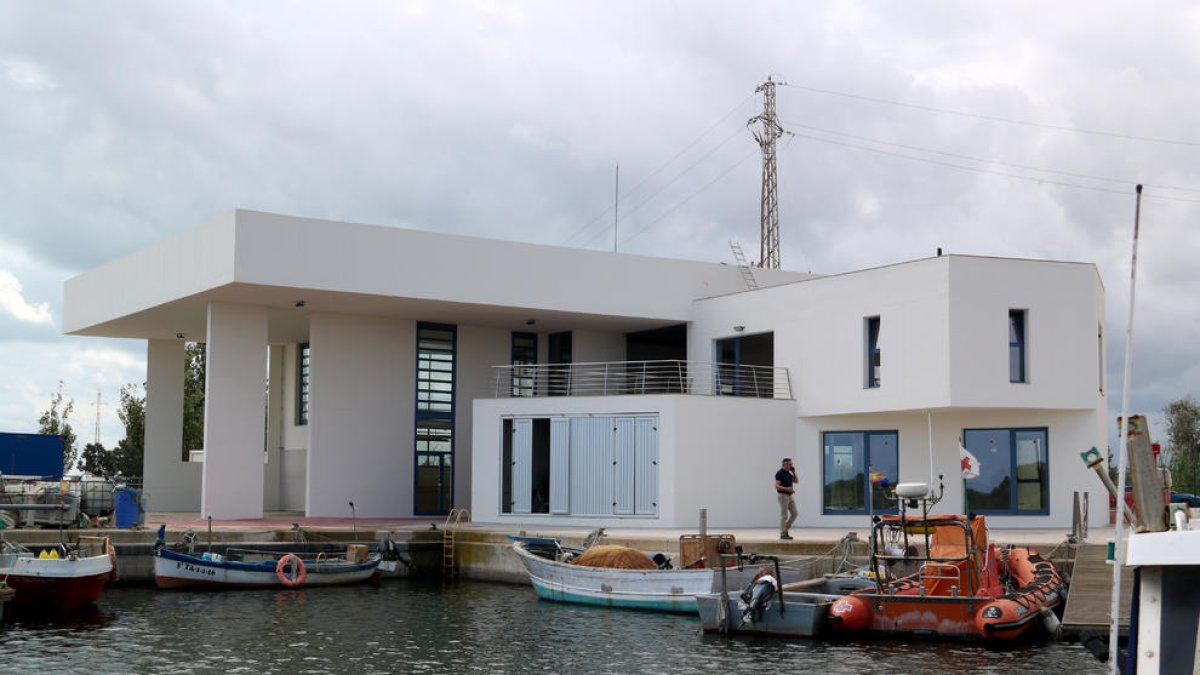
x=614, y=556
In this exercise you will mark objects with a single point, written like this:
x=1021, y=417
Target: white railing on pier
x=616, y=378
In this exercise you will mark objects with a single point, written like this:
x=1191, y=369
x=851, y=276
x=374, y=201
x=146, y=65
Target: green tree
x=54, y=421
x=1183, y=438
x=130, y=451
x=97, y=461
x=195, y=364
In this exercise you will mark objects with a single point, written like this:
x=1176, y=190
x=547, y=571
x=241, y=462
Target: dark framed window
x=1014, y=471
x=1016, y=345
x=873, y=356
x=303, y=357
x=433, y=460
x=855, y=464
x=524, y=361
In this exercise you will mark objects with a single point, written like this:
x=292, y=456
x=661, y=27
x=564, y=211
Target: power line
x=1119, y=181
x=663, y=166
x=975, y=169
x=691, y=196
x=1005, y=120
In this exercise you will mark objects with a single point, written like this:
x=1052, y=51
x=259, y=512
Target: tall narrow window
x=433, y=492
x=524, y=361
x=874, y=358
x=302, y=361
x=1016, y=345
x=559, y=355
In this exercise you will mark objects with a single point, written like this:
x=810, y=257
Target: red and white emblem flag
x=970, y=464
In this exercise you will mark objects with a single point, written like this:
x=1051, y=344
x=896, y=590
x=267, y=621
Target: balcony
x=623, y=378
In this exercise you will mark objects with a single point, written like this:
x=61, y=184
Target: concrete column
x=234, y=412
x=272, y=481
x=171, y=484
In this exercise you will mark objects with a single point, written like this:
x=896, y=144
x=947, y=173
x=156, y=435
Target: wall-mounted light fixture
x=299, y=303
x=179, y=336
x=530, y=322
x=738, y=329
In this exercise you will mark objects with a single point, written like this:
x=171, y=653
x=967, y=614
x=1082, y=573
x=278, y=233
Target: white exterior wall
x=597, y=347
x=479, y=348
x=361, y=402
x=171, y=484
x=714, y=453
x=1064, y=308
x=234, y=412
x=1067, y=433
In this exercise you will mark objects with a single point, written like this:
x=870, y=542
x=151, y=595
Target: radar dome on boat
x=912, y=490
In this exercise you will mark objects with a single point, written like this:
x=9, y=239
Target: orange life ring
x=298, y=572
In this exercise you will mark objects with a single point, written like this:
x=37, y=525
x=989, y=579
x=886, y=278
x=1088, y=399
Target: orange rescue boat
x=939, y=575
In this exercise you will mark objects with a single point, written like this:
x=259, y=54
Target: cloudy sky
x=989, y=128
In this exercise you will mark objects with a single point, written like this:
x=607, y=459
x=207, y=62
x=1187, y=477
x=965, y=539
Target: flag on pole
x=970, y=464
x=877, y=477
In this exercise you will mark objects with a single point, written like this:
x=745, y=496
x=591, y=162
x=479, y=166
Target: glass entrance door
x=435, y=482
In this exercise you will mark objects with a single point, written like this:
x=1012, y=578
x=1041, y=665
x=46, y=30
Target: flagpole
x=929, y=422
x=1122, y=454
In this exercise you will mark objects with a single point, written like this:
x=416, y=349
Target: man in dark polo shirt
x=785, y=487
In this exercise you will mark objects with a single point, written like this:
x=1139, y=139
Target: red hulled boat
x=57, y=578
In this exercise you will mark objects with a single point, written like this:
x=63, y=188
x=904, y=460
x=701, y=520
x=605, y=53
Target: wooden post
x=1145, y=478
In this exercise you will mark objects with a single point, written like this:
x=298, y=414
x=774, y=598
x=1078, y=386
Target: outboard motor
x=757, y=596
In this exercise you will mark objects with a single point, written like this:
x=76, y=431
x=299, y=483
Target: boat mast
x=1123, y=453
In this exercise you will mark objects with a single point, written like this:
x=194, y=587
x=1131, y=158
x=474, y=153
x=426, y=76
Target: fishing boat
x=60, y=577
x=767, y=607
x=938, y=575
x=247, y=568
x=556, y=574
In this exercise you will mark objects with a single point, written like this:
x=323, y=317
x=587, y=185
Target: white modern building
x=410, y=372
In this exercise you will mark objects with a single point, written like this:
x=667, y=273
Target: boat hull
x=654, y=590
x=799, y=615
x=181, y=570
x=57, y=585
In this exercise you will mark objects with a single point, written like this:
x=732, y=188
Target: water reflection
x=464, y=628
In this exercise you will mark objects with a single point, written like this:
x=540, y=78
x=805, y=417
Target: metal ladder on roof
x=454, y=521
x=743, y=266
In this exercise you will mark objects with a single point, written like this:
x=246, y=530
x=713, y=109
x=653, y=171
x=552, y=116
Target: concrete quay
x=481, y=550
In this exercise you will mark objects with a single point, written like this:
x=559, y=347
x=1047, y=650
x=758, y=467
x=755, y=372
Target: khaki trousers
x=787, y=511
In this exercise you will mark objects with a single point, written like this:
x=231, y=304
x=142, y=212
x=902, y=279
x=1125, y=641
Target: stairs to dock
x=1089, y=600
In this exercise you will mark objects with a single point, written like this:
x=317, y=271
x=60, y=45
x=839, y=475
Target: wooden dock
x=1089, y=600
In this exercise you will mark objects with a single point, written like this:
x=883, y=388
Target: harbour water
x=414, y=627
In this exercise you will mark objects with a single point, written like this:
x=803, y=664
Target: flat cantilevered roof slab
x=273, y=260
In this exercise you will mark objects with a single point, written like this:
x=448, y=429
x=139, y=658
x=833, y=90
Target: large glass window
x=1016, y=345
x=856, y=463
x=1013, y=471
x=524, y=358
x=303, y=354
x=433, y=492
x=873, y=356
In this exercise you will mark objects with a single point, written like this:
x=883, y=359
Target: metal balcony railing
x=616, y=378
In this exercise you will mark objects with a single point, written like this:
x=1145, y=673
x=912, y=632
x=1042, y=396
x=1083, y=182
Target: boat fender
x=1051, y=623
x=297, y=571
x=851, y=613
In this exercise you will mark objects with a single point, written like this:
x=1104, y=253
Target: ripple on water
x=404, y=626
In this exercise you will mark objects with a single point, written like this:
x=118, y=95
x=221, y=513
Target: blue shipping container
x=38, y=455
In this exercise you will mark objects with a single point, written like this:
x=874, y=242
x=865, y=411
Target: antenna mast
x=769, y=208
x=98, y=403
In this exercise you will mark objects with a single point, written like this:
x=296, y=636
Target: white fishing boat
x=663, y=590
x=57, y=578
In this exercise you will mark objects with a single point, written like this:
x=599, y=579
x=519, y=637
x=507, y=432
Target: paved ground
x=1042, y=538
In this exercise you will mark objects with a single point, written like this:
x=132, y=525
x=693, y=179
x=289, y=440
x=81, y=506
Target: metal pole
x=210, y=533
x=616, y=204
x=703, y=522
x=1122, y=453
